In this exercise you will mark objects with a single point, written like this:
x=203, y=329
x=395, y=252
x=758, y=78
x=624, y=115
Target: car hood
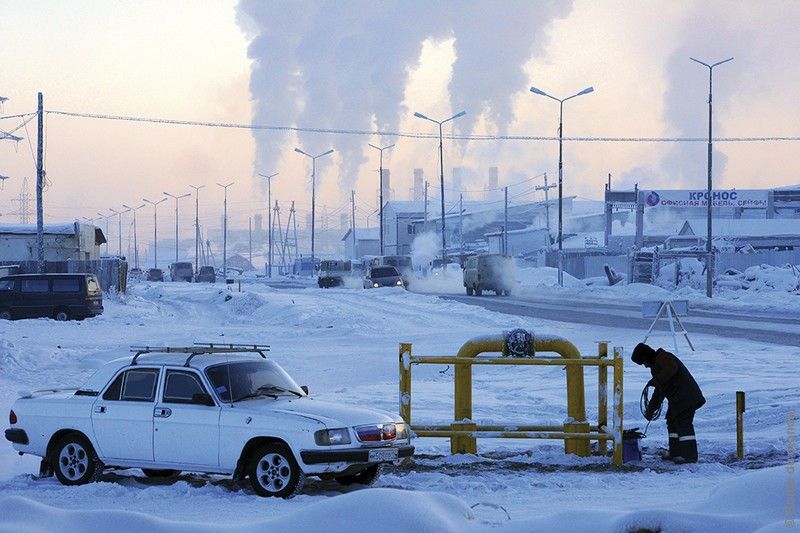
x=332, y=414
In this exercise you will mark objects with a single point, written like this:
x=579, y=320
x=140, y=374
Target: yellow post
x=740, y=424
x=602, y=395
x=405, y=382
x=618, y=406
x=463, y=443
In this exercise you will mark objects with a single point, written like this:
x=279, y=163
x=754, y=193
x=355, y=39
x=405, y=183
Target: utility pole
x=505, y=224
x=380, y=184
x=546, y=188
x=461, y=223
x=176, y=218
x=155, y=228
x=425, y=223
x=40, y=187
x=353, y=221
x=250, y=238
x=269, y=221
x=119, y=229
x=135, y=243
x=197, y=226
x=225, y=231
x=108, y=234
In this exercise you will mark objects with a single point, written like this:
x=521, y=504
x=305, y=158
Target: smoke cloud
x=346, y=64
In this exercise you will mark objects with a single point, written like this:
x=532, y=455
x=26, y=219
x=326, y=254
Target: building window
x=411, y=229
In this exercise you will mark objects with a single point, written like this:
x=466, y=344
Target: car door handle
x=99, y=408
x=162, y=412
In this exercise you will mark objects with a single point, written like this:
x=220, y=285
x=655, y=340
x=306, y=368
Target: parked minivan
x=58, y=296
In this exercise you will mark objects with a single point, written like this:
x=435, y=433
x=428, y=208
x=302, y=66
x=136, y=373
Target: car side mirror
x=202, y=398
x=304, y=389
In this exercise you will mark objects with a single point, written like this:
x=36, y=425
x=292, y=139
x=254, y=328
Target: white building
x=367, y=243
x=62, y=242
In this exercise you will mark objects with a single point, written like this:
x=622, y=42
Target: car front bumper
x=353, y=456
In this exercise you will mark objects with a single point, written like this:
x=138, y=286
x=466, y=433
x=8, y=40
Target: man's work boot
x=688, y=448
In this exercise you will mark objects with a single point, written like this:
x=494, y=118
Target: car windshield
x=384, y=272
x=251, y=380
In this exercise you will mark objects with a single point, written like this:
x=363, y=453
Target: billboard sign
x=745, y=198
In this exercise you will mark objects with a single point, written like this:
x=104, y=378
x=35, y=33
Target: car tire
x=61, y=315
x=470, y=291
x=498, y=292
x=75, y=462
x=478, y=291
x=507, y=292
x=368, y=476
x=5, y=314
x=160, y=474
x=273, y=471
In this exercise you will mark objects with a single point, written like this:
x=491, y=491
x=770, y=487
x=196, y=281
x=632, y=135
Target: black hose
x=644, y=401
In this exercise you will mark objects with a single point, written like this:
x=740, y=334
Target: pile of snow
x=544, y=277
x=363, y=510
x=762, y=278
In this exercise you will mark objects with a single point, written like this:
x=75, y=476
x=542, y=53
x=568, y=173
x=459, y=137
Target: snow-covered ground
x=343, y=344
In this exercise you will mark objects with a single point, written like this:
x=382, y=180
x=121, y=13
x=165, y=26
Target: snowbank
x=365, y=510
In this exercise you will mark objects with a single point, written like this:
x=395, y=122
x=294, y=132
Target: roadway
x=760, y=327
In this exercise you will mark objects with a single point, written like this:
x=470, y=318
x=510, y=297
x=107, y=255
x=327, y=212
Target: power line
x=340, y=131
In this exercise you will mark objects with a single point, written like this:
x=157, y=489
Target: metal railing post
x=740, y=424
x=602, y=395
x=405, y=382
x=618, y=406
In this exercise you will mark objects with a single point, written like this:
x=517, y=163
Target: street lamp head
x=373, y=146
x=326, y=153
x=586, y=91
x=420, y=115
x=299, y=151
x=535, y=90
x=461, y=114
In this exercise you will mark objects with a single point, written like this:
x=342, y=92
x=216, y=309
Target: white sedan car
x=204, y=409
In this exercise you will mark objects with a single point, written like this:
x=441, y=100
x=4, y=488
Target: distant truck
x=181, y=271
x=401, y=262
x=332, y=272
x=489, y=272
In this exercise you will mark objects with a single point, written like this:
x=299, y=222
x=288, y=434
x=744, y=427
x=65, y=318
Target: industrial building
x=62, y=242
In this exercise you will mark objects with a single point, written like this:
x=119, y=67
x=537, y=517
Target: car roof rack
x=200, y=348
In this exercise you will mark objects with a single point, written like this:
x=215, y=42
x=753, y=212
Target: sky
x=368, y=66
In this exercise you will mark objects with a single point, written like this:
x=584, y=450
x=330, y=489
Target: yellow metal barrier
x=576, y=432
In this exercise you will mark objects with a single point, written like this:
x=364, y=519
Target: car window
x=139, y=385
x=66, y=285
x=35, y=285
x=180, y=387
x=250, y=378
x=115, y=389
x=6, y=285
x=382, y=272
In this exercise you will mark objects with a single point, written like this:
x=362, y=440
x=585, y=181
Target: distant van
x=489, y=272
x=182, y=271
x=58, y=296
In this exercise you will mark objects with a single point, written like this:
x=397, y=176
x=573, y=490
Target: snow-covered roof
x=67, y=228
x=364, y=234
x=748, y=227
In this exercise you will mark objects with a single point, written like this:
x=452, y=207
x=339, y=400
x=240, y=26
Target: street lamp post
x=441, y=178
x=119, y=229
x=269, y=221
x=196, y=226
x=560, y=101
x=225, y=231
x=107, y=234
x=176, y=218
x=380, y=184
x=709, y=200
x=155, y=228
x=135, y=241
x=313, y=193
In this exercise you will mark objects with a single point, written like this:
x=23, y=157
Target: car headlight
x=327, y=437
x=375, y=285
x=399, y=282
x=403, y=431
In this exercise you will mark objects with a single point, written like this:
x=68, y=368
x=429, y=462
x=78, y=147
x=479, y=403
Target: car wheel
x=470, y=291
x=368, y=476
x=75, y=461
x=478, y=291
x=61, y=315
x=498, y=292
x=5, y=314
x=273, y=471
x=151, y=473
x=507, y=292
